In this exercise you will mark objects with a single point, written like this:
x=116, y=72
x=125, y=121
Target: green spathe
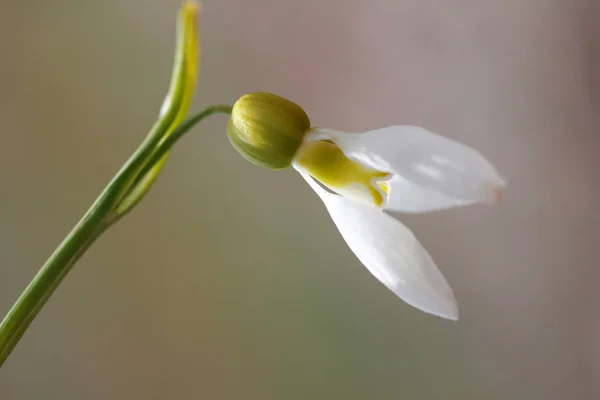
x=267, y=129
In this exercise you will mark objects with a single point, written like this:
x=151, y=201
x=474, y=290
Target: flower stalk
x=127, y=187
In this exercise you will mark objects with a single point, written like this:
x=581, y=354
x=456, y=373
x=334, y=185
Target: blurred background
x=230, y=281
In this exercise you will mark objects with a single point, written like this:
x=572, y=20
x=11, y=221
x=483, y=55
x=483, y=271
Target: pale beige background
x=229, y=281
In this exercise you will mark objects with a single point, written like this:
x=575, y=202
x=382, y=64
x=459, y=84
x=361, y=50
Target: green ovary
x=325, y=162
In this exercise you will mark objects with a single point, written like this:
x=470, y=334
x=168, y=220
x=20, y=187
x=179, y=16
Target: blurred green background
x=231, y=282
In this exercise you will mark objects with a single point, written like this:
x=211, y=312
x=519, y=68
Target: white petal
x=425, y=159
x=390, y=252
x=407, y=197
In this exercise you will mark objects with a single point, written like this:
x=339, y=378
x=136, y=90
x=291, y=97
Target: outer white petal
x=431, y=161
x=408, y=197
x=390, y=252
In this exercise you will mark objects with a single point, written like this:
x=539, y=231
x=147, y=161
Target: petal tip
x=441, y=304
x=453, y=314
x=497, y=193
x=448, y=309
x=494, y=192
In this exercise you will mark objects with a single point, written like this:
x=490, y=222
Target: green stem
x=167, y=143
x=95, y=221
x=45, y=282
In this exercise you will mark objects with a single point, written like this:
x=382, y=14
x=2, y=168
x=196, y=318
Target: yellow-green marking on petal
x=328, y=164
x=385, y=186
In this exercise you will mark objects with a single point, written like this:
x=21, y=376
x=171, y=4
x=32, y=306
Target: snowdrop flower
x=360, y=176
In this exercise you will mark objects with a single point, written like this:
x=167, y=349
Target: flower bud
x=267, y=129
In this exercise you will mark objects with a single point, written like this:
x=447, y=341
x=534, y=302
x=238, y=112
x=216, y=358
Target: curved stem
x=167, y=143
x=95, y=221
